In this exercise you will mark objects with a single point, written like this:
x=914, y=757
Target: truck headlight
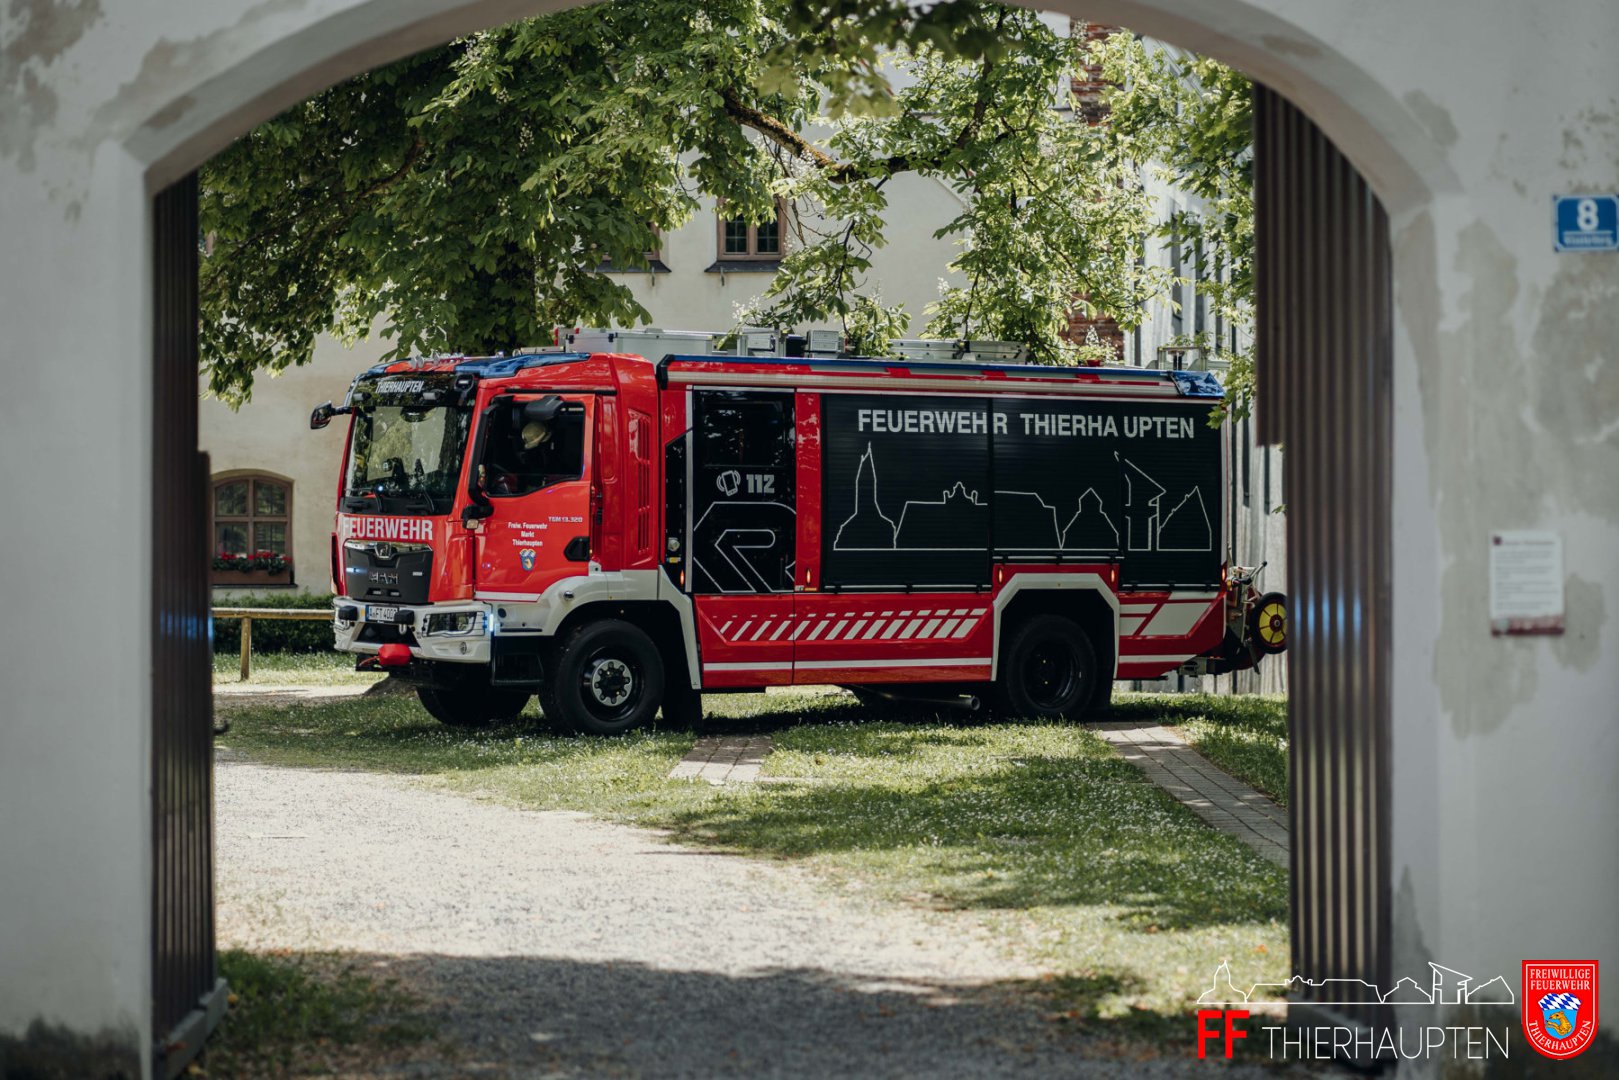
x=453, y=622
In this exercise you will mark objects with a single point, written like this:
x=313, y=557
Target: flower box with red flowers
x=255, y=568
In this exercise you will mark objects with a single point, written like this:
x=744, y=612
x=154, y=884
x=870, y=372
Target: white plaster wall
x=1466, y=115
x=74, y=654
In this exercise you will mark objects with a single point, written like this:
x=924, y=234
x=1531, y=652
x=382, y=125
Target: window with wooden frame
x=653, y=255
x=740, y=241
x=251, y=530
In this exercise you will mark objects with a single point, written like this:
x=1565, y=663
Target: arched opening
x=1324, y=292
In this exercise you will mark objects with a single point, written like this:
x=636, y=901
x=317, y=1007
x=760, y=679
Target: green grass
x=292, y=669
x=307, y=1015
x=1244, y=735
x=1039, y=832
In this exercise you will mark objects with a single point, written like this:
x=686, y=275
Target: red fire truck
x=617, y=534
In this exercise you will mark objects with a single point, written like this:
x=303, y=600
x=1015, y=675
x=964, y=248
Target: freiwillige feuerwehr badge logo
x=1560, y=1005
x=526, y=557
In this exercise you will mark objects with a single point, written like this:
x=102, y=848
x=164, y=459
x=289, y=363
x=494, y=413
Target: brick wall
x=1080, y=325
x=1088, y=88
x=1087, y=82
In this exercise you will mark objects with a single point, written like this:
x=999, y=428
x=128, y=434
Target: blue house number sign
x=1585, y=222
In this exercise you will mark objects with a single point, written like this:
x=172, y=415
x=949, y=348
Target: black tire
x=471, y=705
x=1048, y=671
x=607, y=679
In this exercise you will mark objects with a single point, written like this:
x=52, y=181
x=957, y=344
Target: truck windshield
x=406, y=459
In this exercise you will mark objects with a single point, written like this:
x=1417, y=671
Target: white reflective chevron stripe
x=780, y=630
x=762, y=628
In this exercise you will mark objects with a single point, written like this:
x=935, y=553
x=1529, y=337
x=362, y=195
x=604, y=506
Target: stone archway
x=1341, y=850
x=106, y=110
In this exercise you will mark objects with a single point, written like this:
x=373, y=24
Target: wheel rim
x=1051, y=675
x=1272, y=623
x=610, y=685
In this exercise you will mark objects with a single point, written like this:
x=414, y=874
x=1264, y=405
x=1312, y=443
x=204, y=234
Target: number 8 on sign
x=1585, y=222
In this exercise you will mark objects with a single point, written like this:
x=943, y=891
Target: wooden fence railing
x=247, y=615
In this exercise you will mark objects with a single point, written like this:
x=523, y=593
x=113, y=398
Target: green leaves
x=1192, y=117
x=466, y=198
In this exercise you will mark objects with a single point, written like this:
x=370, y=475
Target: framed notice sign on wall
x=1526, y=583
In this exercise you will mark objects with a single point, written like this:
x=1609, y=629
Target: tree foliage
x=467, y=198
x=1191, y=119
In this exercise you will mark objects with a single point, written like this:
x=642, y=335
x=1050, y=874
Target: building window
x=739, y=241
x=653, y=256
x=252, y=530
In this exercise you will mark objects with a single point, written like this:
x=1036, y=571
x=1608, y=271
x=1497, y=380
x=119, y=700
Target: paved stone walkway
x=724, y=759
x=1217, y=797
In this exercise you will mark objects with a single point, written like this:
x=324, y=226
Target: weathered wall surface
x=1466, y=115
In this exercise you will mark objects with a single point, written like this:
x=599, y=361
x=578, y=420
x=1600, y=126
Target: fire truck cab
x=618, y=535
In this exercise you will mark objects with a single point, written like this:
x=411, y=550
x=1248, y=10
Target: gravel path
x=551, y=944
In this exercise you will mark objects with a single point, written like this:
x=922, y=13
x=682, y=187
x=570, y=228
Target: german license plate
x=373, y=613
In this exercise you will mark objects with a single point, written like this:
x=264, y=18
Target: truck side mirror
x=321, y=416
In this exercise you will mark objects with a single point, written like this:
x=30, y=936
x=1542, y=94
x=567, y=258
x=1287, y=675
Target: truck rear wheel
x=471, y=705
x=607, y=679
x=1048, y=670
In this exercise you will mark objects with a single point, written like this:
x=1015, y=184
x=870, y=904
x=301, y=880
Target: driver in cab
x=524, y=467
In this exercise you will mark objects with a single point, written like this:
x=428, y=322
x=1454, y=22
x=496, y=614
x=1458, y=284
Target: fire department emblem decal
x=526, y=557
x=1560, y=1005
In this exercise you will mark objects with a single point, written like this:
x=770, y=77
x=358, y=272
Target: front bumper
x=417, y=627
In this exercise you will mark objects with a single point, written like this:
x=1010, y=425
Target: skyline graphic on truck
x=922, y=523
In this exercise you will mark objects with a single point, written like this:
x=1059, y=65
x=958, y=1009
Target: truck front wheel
x=607, y=679
x=1048, y=670
x=471, y=705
